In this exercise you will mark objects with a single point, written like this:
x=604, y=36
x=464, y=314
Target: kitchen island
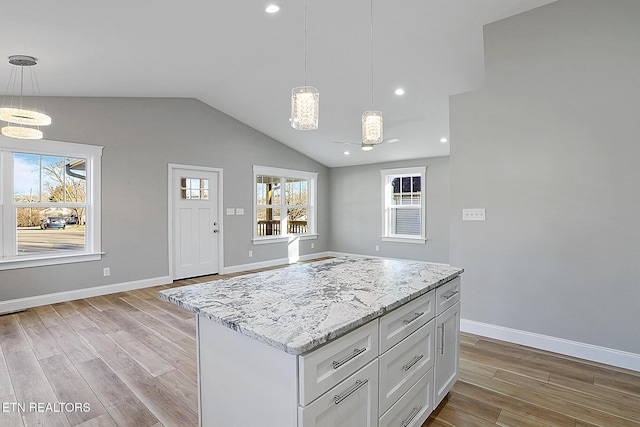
x=347, y=341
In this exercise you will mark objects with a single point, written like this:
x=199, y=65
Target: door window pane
x=194, y=189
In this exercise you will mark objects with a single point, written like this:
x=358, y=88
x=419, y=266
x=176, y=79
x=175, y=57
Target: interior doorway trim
x=172, y=194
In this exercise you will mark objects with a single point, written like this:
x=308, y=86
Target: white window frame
x=312, y=178
x=93, y=155
x=387, y=176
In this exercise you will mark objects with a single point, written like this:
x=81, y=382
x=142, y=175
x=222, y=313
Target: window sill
x=281, y=239
x=415, y=240
x=33, y=261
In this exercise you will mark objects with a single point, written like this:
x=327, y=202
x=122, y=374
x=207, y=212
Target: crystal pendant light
x=372, y=127
x=18, y=118
x=372, y=120
x=305, y=100
x=305, y=106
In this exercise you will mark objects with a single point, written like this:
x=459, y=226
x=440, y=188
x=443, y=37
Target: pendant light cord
x=305, y=43
x=371, y=22
x=21, y=83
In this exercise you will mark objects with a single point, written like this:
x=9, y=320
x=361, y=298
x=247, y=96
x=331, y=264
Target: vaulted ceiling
x=243, y=61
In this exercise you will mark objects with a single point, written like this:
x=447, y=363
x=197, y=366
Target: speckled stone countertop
x=300, y=307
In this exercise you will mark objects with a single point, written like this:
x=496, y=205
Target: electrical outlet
x=473, y=215
x=250, y=254
x=377, y=248
x=106, y=271
x=313, y=245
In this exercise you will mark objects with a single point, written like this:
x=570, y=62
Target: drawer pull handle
x=441, y=339
x=357, y=386
x=415, y=317
x=449, y=295
x=356, y=352
x=413, y=362
x=415, y=412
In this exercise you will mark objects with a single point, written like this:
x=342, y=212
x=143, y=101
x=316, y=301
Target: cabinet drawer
x=325, y=367
x=447, y=295
x=401, y=322
x=413, y=408
x=353, y=402
x=404, y=364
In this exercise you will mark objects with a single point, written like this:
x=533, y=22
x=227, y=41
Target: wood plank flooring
x=131, y=359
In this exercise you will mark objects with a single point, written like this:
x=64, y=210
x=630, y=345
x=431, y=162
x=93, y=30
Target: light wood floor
x=131, y=358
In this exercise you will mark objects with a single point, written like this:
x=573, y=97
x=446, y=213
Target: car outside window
x=50, y=202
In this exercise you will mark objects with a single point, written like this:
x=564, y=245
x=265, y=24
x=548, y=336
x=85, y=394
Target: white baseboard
x=609, y=356
x=20, y=304
x=35, y=301
x=271, y=263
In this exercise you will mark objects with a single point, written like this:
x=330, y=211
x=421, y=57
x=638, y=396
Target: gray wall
x=356, y=211
x=550, y=148
x=141, y=136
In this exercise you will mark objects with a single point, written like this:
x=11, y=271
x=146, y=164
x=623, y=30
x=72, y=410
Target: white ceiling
x=239, y=59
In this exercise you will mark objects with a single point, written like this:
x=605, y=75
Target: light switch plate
x=473, y=215
x=231, y=211
x=239, y=211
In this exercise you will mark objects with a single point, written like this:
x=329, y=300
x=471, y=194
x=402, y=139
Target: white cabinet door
x=352, y=403
x=447, y=350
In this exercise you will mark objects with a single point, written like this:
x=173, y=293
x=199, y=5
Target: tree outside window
x=49, y=204
x=284, y=202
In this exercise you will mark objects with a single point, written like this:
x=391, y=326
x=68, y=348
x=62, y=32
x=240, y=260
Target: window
x=194, y=189
x=403, y=196
x=49, y=203
x=284, y=204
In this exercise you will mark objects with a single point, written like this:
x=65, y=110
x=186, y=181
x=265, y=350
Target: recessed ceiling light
x=272, y=8
x=399, y=91
x=346, y=153
x=444, y=140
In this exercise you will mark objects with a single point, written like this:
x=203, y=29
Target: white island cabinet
x=345, y=342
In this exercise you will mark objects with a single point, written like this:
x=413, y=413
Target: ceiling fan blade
x=390, y=140
x=344, y=142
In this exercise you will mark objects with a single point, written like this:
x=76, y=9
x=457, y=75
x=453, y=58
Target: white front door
x=196, y=225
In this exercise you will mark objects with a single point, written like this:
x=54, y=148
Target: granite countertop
x=300, y=307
